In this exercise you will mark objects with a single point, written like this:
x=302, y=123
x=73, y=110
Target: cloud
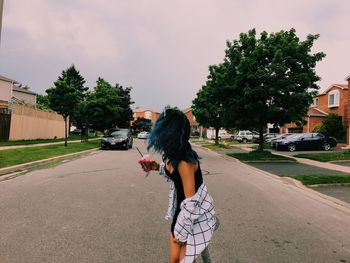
x=161, y=48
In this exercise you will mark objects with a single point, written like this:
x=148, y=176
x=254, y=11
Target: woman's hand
x=149, y=165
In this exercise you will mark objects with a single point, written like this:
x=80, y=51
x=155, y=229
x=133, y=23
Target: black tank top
x=180, y=194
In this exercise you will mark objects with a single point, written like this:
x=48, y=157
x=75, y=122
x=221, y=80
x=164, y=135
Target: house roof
x=143, y=110
x=340, y=86
x=315, y=112
x=7, y=79
x=23, y=90
x=186, y=110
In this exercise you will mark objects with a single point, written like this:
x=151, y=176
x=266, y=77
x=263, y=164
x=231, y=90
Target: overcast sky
x=161, y=48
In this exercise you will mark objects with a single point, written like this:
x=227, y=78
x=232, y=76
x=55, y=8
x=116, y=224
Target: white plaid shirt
x=196, y=221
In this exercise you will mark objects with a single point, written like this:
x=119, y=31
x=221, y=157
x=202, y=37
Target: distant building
x=336, y=99
x=146, y=113
x=12, y=91
x=195, y=128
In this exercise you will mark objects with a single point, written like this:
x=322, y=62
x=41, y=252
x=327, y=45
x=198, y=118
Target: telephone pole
x=1, y=9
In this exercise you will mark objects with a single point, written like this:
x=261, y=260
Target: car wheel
x=291, y=147
x=103, y=148
x=326, y=146
x=244, y=140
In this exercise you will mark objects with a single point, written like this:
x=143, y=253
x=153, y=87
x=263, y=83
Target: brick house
x=335, y=99
x=195, y=128
x=145, y=113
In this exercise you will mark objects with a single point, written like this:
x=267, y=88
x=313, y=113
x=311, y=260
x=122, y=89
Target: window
x=333, y=98
x=148, y=115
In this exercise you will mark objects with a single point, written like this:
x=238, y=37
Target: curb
x=340, y=205
x=16, y=168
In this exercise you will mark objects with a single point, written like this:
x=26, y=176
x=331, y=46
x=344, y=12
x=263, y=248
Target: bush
x=332, y=125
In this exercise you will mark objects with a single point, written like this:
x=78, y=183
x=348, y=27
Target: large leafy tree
x=209, y=102
x=126, y=114
x=63, y=98
x=271, y=78
x=42, y=101
x=103, y=106
x=141, y=124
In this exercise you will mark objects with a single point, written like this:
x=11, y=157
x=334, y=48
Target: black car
x=117, y=138
x=306, y=141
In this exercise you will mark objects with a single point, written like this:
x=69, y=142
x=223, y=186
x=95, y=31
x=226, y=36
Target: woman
x=190, y=206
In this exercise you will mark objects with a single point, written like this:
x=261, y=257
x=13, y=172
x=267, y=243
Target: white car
x=246, y=136
x=143, y=135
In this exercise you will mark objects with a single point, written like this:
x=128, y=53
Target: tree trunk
x=261, y=139
x=217, y=136
x=65, y=131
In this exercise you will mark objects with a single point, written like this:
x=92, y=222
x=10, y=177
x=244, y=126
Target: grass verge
x=37, y=141
x=30, y=154
x=312, y=179
x=259, y=156
x=326, y=157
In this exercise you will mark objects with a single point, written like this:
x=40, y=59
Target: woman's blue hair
x=170, y=137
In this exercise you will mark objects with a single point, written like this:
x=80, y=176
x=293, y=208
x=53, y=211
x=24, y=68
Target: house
x=145, y=113
x=195, y=128
x=19, y=120
x=13, y=91
x=336, y=99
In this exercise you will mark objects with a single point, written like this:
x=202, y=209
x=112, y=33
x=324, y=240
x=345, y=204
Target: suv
x=245, y=136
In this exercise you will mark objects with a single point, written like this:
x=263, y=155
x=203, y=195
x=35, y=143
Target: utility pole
x=1, y=9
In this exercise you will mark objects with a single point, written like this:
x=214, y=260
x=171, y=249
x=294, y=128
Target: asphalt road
x=101, y=208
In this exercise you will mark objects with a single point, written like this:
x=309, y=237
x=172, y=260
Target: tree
x=332, y=125
x=103, y=106
x=208, y=104
x=73, y=77
x=63, y=98
x=127, y=114
x=272, y=79
x=42, y=101
x=141, y=124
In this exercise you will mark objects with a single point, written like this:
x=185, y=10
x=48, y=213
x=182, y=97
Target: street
x=101, y=208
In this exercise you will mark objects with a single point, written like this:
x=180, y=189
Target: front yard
x=326, y=157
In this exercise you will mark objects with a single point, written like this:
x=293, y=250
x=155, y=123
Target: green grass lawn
x=28, y=142
x=312, y=179
x=326, y=157
x=30, y=154
x=220, y=146
x=259, y=156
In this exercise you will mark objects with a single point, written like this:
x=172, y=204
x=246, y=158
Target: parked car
x=143, y=135
x=246, y=136
x=279, y=138
x=306, y=141
x=76, y=131
x=117, y=138
x=267, y=137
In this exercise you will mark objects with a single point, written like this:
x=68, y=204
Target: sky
x=161, y=48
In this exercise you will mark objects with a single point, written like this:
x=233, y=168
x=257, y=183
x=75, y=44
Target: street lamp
x=1, y=9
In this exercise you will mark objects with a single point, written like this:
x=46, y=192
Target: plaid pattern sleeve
x=195, y=223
